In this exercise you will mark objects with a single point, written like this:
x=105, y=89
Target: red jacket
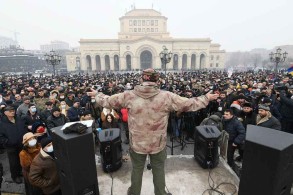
x=124, y=113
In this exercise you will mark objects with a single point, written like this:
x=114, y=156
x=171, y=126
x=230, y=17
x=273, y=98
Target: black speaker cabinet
x=206, y=146
x=75, y=159
x=110, y=149
x=267, y=167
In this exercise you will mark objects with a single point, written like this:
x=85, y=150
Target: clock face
x=127, y=47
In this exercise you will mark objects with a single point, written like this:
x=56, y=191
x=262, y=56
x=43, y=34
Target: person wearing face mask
x=31, y=117
x=30, y=150
x=63, y=108
x=43, y=171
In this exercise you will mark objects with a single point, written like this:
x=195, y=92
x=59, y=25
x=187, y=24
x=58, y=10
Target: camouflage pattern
x=148, y=113
x=41, y=103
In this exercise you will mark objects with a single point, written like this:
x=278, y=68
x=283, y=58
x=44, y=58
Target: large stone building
x=143, y=33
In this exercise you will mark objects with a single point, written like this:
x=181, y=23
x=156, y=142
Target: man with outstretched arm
x=148, y=113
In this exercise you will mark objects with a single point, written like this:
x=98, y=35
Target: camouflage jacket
x=148, y=113
x=41, y=103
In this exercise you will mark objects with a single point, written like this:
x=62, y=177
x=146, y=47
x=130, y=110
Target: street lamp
x=53, y=59
x=278, y=57
x=165, y=57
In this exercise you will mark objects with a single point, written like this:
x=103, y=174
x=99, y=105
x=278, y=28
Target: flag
x=290, y=70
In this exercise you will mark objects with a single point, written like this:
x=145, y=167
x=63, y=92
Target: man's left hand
x=92, y=93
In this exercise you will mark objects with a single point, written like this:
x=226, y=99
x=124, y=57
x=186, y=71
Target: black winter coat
x=235, y=130
x=53, y=121
x=286, y=107
x=272, y=123
x=247, y=118
x=11, y=133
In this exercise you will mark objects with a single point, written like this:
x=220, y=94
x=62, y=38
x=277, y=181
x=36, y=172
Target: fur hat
x=150, y=75
x=263, y=107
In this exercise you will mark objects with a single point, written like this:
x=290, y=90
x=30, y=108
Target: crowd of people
x=32, y=106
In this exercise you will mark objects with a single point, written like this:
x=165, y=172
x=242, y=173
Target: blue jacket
x=73, y=114
x=235, y=129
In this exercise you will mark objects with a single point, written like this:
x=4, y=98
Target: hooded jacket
x=148, y=112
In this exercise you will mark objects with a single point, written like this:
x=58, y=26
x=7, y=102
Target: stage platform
x=183, y=177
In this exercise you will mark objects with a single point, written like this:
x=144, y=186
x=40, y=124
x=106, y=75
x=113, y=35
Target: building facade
x=143, y=33
x=6, y=42
x=55, y=45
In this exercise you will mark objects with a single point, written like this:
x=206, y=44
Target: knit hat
x=86, y=112
x=55, y=109
x=263, y=107
x=27, y=136
x=150, y=75
x=45, y=141
x=26, y=98
x=247, y=104
x=38, y=127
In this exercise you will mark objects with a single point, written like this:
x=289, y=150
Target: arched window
x=89, y=63
x=107, y=62
x=175, y=62
x=116, y=62
x=128, y=62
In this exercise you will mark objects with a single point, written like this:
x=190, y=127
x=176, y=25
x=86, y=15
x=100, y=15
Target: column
x=188, y=65
x=111, y=63
x=197, y=62
x=83, y=63
x=122, y=63
x=179, y=62
x=102, y=63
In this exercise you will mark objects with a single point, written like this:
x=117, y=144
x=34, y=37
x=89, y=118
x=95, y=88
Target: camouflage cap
x=150, y=75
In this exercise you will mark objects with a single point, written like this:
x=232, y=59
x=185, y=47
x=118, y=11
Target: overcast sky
x=238, y=25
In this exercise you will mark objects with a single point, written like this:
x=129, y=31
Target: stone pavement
x=182, y=174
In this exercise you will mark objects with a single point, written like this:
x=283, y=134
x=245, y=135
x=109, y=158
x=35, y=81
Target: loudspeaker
x=75, y=158
x=110, y=149
x=206, y=146
x=267, y=166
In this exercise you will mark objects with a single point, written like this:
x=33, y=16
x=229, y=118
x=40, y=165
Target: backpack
x=210, y=121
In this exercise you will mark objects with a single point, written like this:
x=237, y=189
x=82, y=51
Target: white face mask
x=33, y=109
x=32, y=142
x=50, y=148
x=62, y=97
x=93, y=100
x=63, y=106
